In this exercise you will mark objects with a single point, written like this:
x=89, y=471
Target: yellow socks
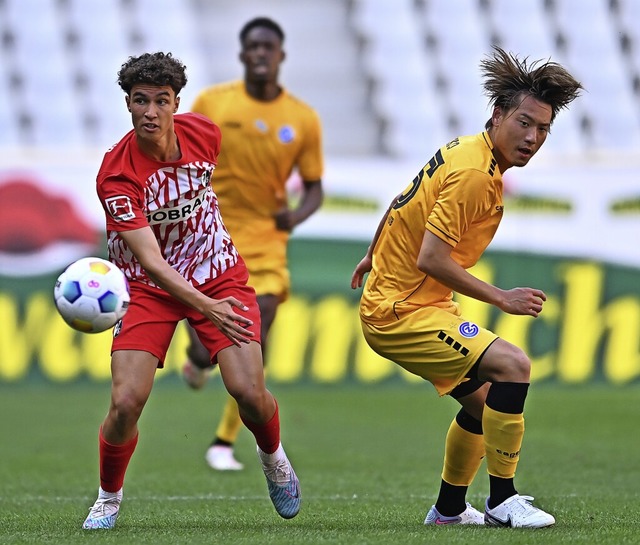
x=503, y=434
x=230, y=423
x=462, y=455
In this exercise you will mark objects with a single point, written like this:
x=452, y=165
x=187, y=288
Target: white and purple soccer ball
x=91, y=295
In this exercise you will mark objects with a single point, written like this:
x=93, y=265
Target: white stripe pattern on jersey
x=183, y=212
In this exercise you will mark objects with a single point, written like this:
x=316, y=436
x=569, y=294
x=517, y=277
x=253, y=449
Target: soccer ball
x=91, y=295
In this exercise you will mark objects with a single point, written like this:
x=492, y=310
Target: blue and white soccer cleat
x=469, y=516
x=283, y=485
x=104, y=513
x=517, y=512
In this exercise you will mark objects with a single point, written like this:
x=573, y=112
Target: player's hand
x=523, y=301
x=362, y=268
x=285, y=220
x=221, y=312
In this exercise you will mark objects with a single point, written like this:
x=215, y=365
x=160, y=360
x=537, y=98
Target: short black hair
x=261, y=22
x=152, y=69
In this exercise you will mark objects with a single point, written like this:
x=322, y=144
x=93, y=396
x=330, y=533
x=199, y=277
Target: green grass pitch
x=369, y=461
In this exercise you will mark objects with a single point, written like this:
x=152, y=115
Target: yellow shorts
x=435, y=344
x=268, y=271
x=270, y=281
x=267, y=264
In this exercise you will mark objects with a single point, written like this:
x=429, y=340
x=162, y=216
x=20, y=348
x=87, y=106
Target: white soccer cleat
x=469, y=516
x=221, y=457
x=194, y=376
x=517, y=512
x=104, y=513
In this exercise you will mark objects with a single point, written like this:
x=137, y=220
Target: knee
x=507, y=363
x=519, y=368
x=253, y=401
x=126, y=409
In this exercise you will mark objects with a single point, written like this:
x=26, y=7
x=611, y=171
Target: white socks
x=104, y=495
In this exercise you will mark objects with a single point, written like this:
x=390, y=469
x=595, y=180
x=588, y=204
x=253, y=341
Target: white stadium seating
x=394, y=77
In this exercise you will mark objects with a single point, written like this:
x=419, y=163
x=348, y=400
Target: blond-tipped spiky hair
x=508, y=80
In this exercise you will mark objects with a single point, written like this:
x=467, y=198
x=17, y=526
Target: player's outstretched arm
x=436, y=261
x=311, y=200
x=524, y=301
x=362, y=268
x=144, y=246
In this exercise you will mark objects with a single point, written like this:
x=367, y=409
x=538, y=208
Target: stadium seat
x=8, y=119
x=533, y=38
x=422, y=54
x=405, y=93
x=460, y=44
x=594, y=54
x=46, y=93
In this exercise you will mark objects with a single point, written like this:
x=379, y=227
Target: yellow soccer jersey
x=458, y=197
x=262, y=143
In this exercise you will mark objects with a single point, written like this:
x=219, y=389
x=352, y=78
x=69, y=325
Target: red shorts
x=153, y=315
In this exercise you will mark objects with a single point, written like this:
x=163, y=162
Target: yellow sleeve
x=463, y=198
x=310, y=163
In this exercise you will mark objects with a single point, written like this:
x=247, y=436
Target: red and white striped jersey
x=175, y=199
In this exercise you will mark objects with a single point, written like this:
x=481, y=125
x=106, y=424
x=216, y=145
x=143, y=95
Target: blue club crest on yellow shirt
x=286, y=134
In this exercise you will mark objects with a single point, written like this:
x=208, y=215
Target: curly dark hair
x=508, y=80
x=153, y=69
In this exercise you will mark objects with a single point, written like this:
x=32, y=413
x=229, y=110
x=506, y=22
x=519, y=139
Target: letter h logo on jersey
x=120, y=208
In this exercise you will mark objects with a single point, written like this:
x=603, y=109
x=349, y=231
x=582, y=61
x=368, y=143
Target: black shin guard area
x=468, y=423
x=507, y=397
